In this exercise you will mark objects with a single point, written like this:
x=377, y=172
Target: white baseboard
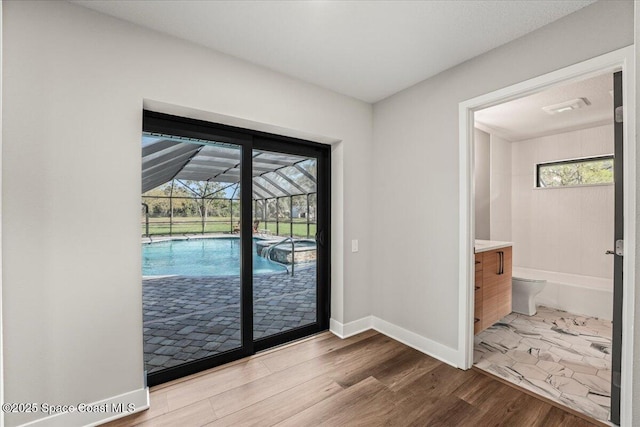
x=429, y=347
x=346, y=330
x=434, y=349
x=103, y=411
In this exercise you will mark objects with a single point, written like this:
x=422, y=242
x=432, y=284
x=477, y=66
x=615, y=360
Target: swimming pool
x=200, y=257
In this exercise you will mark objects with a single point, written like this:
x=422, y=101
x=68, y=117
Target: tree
x=154, y=199
x=576, y=173
x=206, y=195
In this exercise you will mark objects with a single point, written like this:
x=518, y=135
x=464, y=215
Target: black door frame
x=616, y=337
x=248, y=140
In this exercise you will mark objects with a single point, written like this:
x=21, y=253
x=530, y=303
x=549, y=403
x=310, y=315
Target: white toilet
x=523, y=294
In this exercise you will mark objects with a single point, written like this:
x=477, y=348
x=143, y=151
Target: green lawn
x=284, y=229
x=193, y=225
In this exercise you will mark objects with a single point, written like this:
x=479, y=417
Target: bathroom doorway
x=518, y=347
x=551, y=174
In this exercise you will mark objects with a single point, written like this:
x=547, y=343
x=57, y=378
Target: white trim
x=620, y=59
x=630, y=218
x=209, y=116
x=467, y=233
x=346, y=330
x=138, y=398
x=1, y=315
x=425, y=345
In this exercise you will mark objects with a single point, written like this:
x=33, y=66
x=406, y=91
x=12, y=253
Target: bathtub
x=577, y=294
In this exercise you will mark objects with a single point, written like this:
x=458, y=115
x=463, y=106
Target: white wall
x=560, y=229
x=636, y=344
x=482, y=184
x=416, y=287
x=500, y=189
x=75, y=82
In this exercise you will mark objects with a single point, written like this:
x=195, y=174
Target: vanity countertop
x=489, y=245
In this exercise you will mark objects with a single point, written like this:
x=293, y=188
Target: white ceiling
x=524, y=118
x=365, y=49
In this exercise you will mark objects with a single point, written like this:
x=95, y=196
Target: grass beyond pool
x=200, y=257
x=187, y=225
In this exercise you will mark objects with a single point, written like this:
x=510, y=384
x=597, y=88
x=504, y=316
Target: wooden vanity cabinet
x=477, y=315
x=492, y=287
x=505, y=284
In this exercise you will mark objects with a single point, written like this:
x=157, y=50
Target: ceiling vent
x=570, y=105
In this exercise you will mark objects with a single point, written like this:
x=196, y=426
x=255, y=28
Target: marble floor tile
x=602, y=327
x=568, y=385
x=511, y=343
x=554, y=353
x=500, y=359
x=603, y=401
x=505, y=332
x=556, y=341
x=509, y=318
x=490, y=347
x=554, y=368
x=523, y=356
x=536, y=343
x=545, y=355
x=567, y=353
x=579, y=366
x=507, y=373
x=595, y=384
x=530, y=371
x=575, y=326
x=493, y=338
x=592, y=351
x=541, y=387
x=586, y=406
x=574, y=340
x=604, y=349
x=538, y=323
x=605, y=374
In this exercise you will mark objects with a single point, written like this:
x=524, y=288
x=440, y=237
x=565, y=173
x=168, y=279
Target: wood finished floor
x=365, y=380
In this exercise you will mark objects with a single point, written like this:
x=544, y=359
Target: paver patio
x=187, y=318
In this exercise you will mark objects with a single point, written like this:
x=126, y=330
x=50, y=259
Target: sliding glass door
x=228, y=272
x=191, y=253
x=285, y=224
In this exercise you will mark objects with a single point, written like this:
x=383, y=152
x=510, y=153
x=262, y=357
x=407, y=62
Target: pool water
x=200, y=257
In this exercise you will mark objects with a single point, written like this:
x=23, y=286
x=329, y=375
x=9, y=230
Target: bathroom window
x=575, y=172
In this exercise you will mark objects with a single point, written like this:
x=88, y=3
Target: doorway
x=235, y=227
x=616, y=61
x=552, y=192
